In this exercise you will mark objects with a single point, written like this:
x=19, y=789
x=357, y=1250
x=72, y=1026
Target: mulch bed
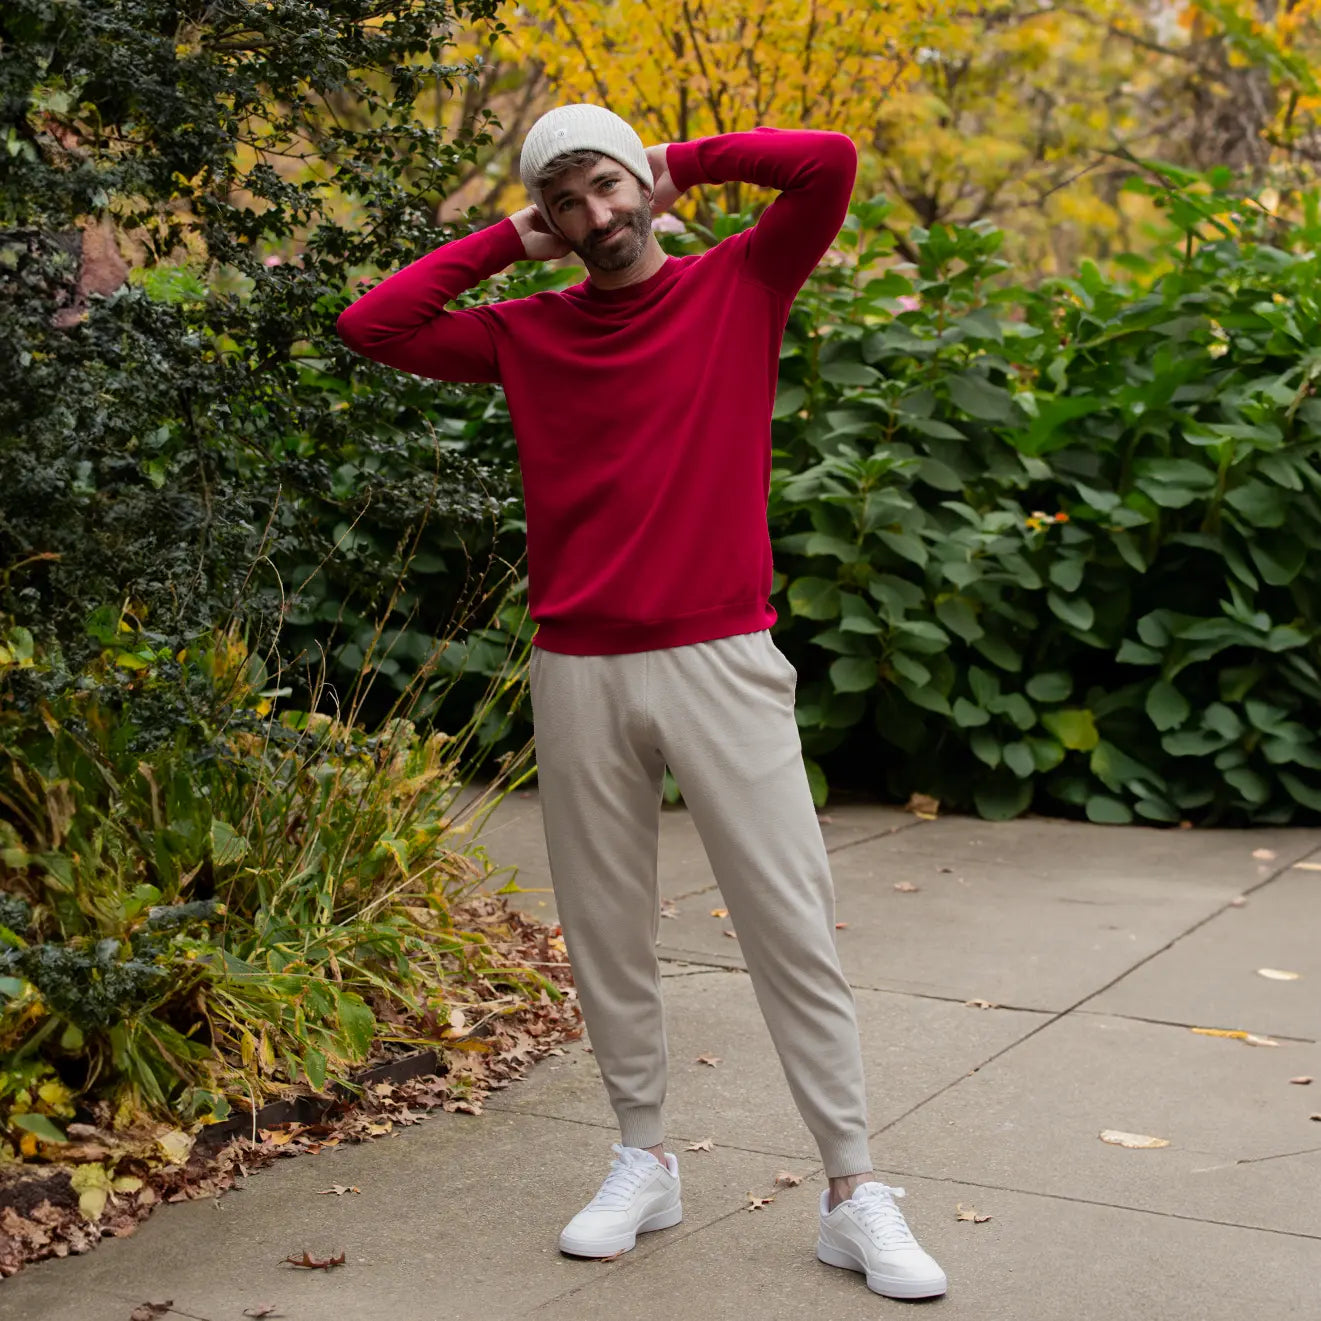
x=41, y=1210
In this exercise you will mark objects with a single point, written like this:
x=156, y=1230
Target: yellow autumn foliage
x=1014, y=110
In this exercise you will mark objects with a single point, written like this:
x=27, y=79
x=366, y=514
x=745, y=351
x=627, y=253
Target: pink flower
x=908, y=302
x=273, y=261
x=667, y=224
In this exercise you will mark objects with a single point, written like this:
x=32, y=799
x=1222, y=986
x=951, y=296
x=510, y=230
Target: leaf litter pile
x=106, y=1180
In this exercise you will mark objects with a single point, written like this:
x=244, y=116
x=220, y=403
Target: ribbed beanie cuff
x=580, y=128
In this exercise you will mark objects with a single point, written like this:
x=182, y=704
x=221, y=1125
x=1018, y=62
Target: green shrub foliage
x=1061, y=547
x=197, y=444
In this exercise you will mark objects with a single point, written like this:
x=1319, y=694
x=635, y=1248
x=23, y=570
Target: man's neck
x=651, y=260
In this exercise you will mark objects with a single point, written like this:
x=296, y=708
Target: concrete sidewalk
x=1097, y=948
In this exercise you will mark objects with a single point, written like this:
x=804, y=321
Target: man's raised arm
x=814, y=173
x=402, y=321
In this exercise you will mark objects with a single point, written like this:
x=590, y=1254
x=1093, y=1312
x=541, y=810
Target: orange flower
x=1061, y=518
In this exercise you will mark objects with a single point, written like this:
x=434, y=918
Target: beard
x=602, y=250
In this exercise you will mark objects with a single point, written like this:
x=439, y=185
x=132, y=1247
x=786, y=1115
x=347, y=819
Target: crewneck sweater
x=642, y=414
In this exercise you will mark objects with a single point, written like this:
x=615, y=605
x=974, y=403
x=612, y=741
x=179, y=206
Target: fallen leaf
x=315, y=1263
x=826, y=820
x=720, y=912
x=1316, y=1117
x=949, y=871
x=1239, y=901
x=906, y=887
x=706, y=1144
x=1304, y=1081
x=1266, y=855
x=669, y=908
x=1220, y=1032
x=1118, y=1138
x=338, y=1189
x=730, y=934
x=981, y=1004
x=787, y=1180
x=969, y=1213
x=1253, y=1040
x=1185, y=825
x=923, y=806
x=1278, y=975
x=840, y=926
x=263, y=1309
x=711, y=1060
x=458, y=1021
x=756, y=1203
x=1308, y=866
x=149, y=1311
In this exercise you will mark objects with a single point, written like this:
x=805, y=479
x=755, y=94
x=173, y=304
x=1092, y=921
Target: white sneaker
x=868, y=1233
x=639, y=1194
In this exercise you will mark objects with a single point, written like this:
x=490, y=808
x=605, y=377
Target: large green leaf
x=853, y=674
x=1166, y=705
x=1075, y=727
x=1003, y=796
x=814, y=598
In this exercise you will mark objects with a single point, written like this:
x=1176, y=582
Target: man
x=641, y=404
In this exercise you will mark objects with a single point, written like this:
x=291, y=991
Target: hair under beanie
x=580, y=128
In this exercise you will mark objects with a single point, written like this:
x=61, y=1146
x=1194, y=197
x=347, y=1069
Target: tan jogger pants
x=720, y=714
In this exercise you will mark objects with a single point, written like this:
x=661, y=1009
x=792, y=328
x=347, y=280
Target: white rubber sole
x=607, y=1247
x=877, y=1283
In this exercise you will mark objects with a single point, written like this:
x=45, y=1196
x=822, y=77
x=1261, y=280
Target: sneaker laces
x=875, y=1209
x=627, y=1171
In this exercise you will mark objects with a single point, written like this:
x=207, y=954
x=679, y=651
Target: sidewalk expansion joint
x=1113, y=1206
x=1169, y=1022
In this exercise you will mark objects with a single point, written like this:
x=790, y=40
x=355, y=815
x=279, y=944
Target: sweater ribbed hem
x=844, y=1154
x=576, y=639
x=643, y=1126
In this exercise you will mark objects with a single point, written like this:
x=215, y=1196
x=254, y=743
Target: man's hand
x=663, y=194
x=539, y=242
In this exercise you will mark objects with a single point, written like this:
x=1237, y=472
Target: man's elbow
x=350, y=327
x=841, y=152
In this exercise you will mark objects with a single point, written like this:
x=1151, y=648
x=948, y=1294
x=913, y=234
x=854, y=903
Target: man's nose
x=598, y=212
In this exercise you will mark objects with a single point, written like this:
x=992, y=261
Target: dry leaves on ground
x=720, y=912
x=969, y=1213
x=1304, y=1081
x=706, y=1144
x=1278, y=974
x=262, y=1309
x=338, y=1190
x=669, y=908
x=1235, y=1034
x=1135, y=1141
x=755, y=1203
x=840, y=926
x=981, y=1004
x=1264, y=855
x=906, y=887
x=923, y=806
x=787, y=1180
x=730, y=934
x=108, y=1180
x=709, y=1060
x=1308, y=866
x=1316, y=1117
x=150, y=1311
x=309, y=1262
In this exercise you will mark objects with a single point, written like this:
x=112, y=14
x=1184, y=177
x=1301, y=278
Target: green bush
x=1060, y=547
x=244, y=910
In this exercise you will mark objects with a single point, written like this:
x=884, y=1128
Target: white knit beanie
x=581, y=128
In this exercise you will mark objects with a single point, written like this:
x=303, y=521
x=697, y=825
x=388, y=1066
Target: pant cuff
x=845, y=1154
x=643, y=1127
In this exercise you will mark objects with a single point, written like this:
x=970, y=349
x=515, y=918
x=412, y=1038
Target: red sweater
x=642, y=415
